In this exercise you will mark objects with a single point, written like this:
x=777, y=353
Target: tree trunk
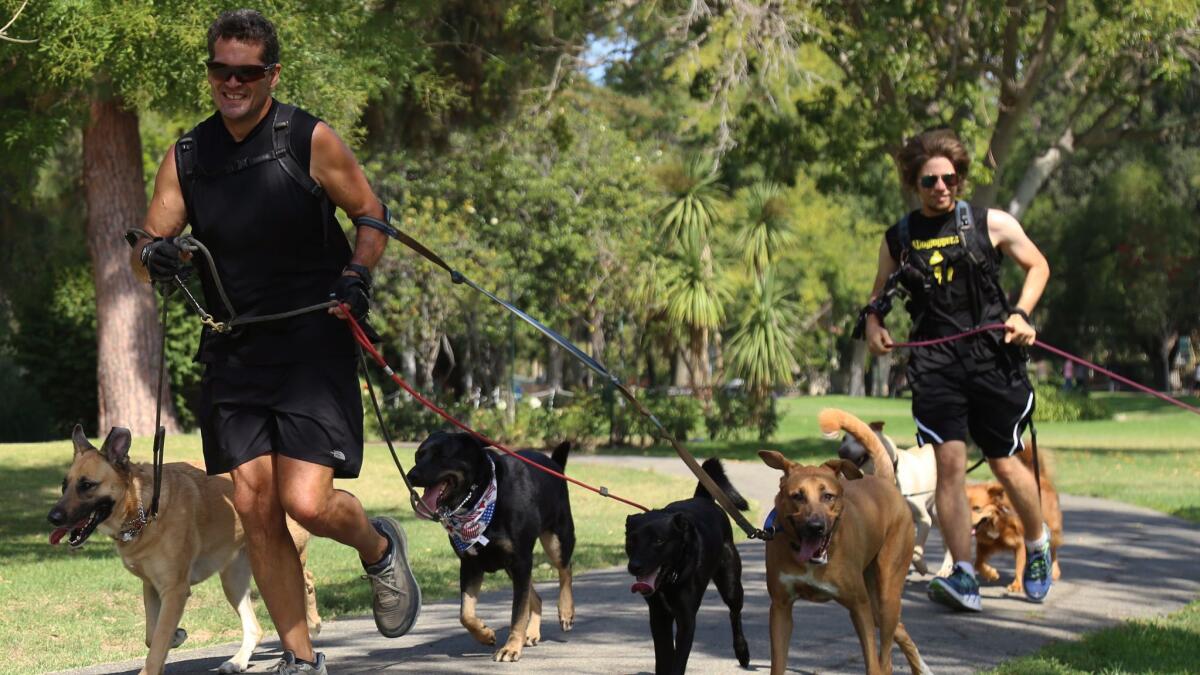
x=1039, y=172
x=128, y=336
x=881, y=376
x=856, y=386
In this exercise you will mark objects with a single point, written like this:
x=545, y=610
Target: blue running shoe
x=1037, y=577
x=958, y=591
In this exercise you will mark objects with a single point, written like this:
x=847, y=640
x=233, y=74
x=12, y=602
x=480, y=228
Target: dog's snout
x=57, y=516
x=815, y=527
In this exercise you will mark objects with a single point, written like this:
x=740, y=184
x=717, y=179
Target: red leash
x=1053, y=350
x=362, y=340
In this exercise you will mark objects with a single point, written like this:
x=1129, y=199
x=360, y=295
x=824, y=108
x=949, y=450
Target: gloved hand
x=163, y=259
x=353, y=291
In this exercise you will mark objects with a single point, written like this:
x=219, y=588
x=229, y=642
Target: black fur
x=690, y=543
x=531, y=503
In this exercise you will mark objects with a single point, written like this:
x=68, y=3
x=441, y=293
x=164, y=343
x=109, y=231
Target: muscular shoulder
x=1002, y=226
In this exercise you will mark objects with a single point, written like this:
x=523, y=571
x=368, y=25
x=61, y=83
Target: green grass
x=65, y=609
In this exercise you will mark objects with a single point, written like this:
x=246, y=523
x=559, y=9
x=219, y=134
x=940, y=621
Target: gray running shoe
x=397, y=596
x=288, y=666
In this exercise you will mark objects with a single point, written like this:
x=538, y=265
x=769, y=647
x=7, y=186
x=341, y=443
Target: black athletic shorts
x=307, y=411
x=992, y=404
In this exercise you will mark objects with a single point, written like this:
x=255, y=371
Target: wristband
x=362, y=271
x=1021, y=313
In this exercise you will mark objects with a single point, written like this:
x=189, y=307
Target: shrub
x=735, y=413
x=1055, y=405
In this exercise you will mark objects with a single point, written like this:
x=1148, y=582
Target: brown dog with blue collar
x=841, y=536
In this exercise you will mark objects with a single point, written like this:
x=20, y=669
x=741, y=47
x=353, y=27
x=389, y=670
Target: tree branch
x=4, y=31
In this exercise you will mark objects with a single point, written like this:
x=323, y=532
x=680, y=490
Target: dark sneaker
x=288, y=666
x=397, y=595
x=1037, y=577
x=958, y=591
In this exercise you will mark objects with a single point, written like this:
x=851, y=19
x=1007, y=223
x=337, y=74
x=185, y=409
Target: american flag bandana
x=466, y=527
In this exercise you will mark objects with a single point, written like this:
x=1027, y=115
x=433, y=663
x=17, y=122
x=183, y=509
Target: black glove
x=355, y=292
x=163, y=259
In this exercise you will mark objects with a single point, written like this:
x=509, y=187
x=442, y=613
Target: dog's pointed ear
x=116, y=447
x=995, y=491
x=79, y=439
x=844, y=468
x=774, y=459
x=680, y=523
x=877, y=425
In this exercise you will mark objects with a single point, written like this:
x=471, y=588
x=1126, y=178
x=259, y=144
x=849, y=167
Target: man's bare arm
x=333, y=166
x=166, y=216
x=1009, y=237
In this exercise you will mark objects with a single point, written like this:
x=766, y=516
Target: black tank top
x=276, y=246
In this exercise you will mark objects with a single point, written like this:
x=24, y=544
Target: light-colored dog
x=197, y=533
x=841, y=536
x=916, y=476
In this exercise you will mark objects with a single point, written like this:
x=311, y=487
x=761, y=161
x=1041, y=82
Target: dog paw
x=988, y=573
x=232, y=666
x=179, y=638
x=314, y=630
x=510, y=652
x=532, y=640
x=566, y=623
x=1015, y=587
x=484, y=635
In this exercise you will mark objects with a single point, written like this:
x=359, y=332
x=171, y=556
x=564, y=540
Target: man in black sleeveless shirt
x=976, y=386
x=280, y=405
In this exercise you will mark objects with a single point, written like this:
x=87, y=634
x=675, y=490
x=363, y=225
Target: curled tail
x=713, y=468
x=833, y=420
x=560, y=453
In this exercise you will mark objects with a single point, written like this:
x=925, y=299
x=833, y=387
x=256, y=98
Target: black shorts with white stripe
x=991, y=406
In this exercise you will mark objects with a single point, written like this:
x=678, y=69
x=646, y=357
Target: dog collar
x=130, y=529
x=466, y=526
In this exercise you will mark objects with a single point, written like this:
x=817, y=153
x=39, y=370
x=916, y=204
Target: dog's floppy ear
x=774, y=459
x=844, y=468
x=116, y=447
x=80, y=440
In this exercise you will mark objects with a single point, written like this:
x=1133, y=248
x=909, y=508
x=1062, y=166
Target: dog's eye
x=64, y=486
x=827, y=497
x=85, y=485
x=658, y=543
x=799, y=497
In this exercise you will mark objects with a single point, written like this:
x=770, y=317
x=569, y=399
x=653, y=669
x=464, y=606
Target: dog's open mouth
x=812, y=550
x=434, y=496
x=79, y=532
x=647, y=583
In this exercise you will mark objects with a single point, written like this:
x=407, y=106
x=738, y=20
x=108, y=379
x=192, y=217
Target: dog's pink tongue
x=645, y=583
x=57, y=535
x=430, y=499
x=808, y=548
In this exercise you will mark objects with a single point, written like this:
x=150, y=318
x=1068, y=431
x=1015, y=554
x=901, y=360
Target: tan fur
x=197, y=533
x=869, y=550
x=998, y=528
x=832, y=420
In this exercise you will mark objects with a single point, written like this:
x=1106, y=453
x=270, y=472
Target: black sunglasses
x=244, y=74
x=950, y=179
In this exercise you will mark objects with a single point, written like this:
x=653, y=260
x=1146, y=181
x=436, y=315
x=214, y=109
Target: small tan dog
x=841, y=536
x=996, y=526
x=916, y=476
x=197, y=533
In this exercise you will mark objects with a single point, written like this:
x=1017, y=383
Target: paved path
x=1103, y=540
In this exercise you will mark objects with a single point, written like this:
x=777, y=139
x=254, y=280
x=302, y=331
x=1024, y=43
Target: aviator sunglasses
x=243, y=74
x=950, y=179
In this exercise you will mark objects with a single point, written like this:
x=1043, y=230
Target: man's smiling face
x=236, y=100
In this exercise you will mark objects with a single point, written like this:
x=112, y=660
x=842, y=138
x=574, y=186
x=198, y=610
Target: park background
x=694, y=191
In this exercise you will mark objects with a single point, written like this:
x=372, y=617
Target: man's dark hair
x=245, y=25
x=924, y=147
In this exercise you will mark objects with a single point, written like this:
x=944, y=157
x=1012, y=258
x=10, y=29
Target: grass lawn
x=1148, y=453
x=65, y=609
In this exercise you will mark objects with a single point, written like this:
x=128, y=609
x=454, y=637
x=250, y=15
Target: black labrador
x=495, y=507
x=674, y=552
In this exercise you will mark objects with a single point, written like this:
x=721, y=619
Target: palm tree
x=762, y=349
x=765, y=228
x=695, y=299
x=692, y=211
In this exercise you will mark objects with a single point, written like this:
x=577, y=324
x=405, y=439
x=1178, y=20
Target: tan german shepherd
x=197, y=533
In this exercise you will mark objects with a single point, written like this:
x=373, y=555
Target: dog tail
x=713, y=468
x=560, y=453
x=833, y=420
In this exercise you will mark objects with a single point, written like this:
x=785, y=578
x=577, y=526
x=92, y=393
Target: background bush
x=1055, y=405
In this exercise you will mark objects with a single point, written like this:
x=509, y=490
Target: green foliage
x=1055, y=405
x=736, y=414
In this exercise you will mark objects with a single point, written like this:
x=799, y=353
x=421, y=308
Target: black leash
x=459, y=278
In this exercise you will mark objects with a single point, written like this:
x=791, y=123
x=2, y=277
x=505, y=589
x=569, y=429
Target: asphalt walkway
x=1104, y=541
